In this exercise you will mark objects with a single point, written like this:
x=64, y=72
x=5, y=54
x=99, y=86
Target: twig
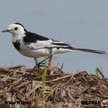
x=99, y=70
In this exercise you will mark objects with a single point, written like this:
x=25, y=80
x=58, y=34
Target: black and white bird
x=34, y=45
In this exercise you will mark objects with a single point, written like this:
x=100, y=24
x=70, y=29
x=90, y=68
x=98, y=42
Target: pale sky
x=81, y=23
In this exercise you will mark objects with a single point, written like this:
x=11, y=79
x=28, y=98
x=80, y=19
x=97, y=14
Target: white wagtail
x=34, y=45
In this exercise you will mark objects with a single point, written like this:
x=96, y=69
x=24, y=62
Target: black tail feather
x=89, y=50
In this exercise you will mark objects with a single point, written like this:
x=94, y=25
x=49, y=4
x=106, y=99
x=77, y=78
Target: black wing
x=33, y=37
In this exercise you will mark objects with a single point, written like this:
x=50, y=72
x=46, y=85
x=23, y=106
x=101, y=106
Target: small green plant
x=53, y=90
x=43, y=83
x=43, y=79
x=37, y=99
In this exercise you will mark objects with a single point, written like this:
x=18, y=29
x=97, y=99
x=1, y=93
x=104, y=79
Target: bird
x=35, y=46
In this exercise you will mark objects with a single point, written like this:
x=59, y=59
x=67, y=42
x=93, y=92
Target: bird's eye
x=16, y=28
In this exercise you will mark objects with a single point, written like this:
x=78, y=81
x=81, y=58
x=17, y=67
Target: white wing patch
x=49, y=44
x=40, y=44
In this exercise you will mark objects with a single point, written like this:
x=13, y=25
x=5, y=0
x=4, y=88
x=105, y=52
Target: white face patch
x=17, y=31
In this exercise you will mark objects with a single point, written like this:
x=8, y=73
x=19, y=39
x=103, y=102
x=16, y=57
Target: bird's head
x=16, y=29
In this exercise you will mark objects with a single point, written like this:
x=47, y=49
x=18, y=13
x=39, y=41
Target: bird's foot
x=38, y=65
x=41, y=64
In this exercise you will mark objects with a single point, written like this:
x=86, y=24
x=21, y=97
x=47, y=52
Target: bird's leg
x=50, y=61
x=36, y=63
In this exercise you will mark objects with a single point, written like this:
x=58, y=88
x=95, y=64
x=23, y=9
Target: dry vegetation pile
x=19, y=86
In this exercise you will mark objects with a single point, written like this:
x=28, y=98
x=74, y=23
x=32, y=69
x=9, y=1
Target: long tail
x=89, y=50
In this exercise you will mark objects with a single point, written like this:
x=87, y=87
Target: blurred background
x=81, y=23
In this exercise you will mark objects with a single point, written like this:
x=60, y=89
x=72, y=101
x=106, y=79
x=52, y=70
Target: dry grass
x=18, y=84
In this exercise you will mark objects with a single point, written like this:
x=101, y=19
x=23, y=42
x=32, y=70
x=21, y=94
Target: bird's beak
x=6, y=30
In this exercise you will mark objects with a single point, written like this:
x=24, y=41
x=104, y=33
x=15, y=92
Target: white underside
x=41, y=52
